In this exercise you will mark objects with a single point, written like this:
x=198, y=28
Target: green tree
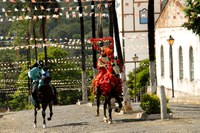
x=142, y=78
x=192, y=12
x=20, y=99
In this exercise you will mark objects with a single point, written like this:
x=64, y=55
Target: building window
x=143, y=16
x=162, y=61
x=191, y=62
x=180, y=63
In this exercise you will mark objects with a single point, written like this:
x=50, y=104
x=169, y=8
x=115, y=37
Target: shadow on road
x=129, y=120
x=72, y=124
x=4, y=114
x=185, y=107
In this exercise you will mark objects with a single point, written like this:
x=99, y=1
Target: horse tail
x=55, y=99
x=92, y=87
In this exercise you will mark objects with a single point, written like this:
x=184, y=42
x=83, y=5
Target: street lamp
x=171, y=42
x=135, y=59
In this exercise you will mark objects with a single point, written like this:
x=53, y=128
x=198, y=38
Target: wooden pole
x=127, y=101
x=151, y=42
x=116, y=32
x=94, y=36
x=35, y=41
x=84, y=89
x=44, y=40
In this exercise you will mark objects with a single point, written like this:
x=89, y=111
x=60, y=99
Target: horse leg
x=98, y=104
x=44, y=106
x=98, y=95
x=51, y=112
x=119, y=101
x=104, y=108
x=35, y=119
x=109, y=111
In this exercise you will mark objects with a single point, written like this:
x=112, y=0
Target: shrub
x=150, y=103
x=67, y=97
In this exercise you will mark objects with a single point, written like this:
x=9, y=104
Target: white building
x=185, y=54
x=132, y=21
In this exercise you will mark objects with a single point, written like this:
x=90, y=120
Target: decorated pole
x=33, y=30
x=116, y=32
x=43, y=38
x=127, y=101
x=43, y=32
x=93, y=36
x=35, y=41
x=28, y=53
x=110, y=20
x=84, y=89
x=151, y=42
x=100, y=26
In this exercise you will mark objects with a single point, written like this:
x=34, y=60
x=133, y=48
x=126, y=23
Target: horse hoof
x=97, y=114
x=49, y=119
x=44, y=126
x=105, y=119
x=110, y=122
x=35, y=126
x=117, y=110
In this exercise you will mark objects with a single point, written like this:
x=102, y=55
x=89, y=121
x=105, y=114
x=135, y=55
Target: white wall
x=185, y=39
x=135, y=34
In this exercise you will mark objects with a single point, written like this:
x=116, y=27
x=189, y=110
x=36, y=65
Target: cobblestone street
x=82, y=119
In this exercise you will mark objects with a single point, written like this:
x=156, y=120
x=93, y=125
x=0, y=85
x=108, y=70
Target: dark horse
x=46, y=97
x=113, y=92
x=107, y=102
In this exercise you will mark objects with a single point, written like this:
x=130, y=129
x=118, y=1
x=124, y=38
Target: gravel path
x=82, y=119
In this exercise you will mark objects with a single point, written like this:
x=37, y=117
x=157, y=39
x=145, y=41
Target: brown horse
x=112, y=92
x=107, y=103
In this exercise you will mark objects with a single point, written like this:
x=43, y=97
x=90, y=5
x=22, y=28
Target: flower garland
x=95, y=42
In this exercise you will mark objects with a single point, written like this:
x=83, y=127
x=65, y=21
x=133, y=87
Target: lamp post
x=135, y=59
x=171, y=42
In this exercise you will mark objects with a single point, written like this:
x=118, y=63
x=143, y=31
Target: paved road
x=82, y=119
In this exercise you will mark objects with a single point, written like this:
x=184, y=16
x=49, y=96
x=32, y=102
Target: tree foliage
x=192, y=12
x=150, y=103
x=141, y=74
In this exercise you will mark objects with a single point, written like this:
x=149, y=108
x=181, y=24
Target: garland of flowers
x=95, y=42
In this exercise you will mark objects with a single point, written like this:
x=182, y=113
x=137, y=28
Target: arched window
x=180, y=63
x=162, y=61
x=191, y=62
